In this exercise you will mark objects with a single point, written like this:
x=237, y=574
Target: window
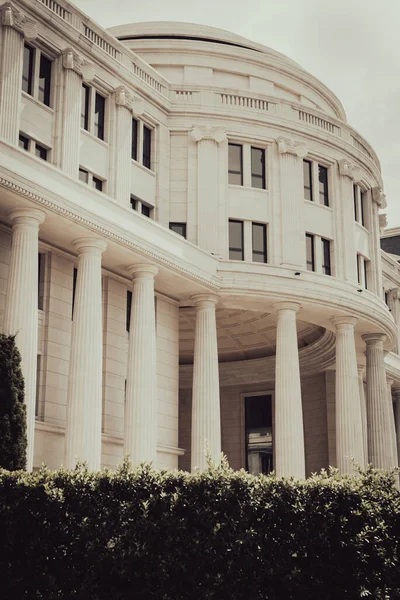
x=135, y=131
x=85, y=107
x=366, y=273
x=258, y=168
x=39, y=85
x=84, y=175
x=44, y=80
x=326, y=256
x=38, y=382
x=97, y=183
x=74, y=280
x=259, y=232
x=23, y=142
x=310, y=258
x=87, y=177
x=128, y=309
x=355, y=198
x=27, y=69
x=258, y=434
x=236, y=246
x=323, y=185
x=307, y=175
x=362, y=202
x=99, y=113
x=41, y=279
x=142, y=207
x=363, y=267
x=360, y=199
x=41, y=152
x=134, y=203
x=179, y=228
x=146, y=147
x=33, y=147
x=235, y=164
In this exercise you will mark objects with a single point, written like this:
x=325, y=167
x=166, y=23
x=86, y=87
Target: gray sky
x=353, y=46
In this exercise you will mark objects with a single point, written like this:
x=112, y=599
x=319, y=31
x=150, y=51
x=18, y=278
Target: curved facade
x=208, y=231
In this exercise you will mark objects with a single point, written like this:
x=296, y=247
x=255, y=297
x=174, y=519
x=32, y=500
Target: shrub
x=12, y=408
x=220, y=535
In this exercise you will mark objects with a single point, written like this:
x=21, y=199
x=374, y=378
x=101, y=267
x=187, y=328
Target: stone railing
x=317, y=121
x=59, y=10
x=243, y=101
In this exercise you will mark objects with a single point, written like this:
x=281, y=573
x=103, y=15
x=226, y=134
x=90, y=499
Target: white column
x=349, y=438
x=84, y=404
x=292, y=236
x=346, y=264
x=206, y=418
x=71, y=113
x=378, y=202
x=392, y=427
x=397, y=420
x=363, y=406
x=289, y=433
x=140, y=422
x=379, y=448
x=21, y=309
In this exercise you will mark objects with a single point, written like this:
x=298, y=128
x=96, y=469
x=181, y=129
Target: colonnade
x=365, y=425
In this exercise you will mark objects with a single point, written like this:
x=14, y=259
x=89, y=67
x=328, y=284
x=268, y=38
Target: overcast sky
x=353, y=46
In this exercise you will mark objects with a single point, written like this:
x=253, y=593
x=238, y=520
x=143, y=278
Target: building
x=190, y=251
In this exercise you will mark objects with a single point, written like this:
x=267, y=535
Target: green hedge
x=223, y=535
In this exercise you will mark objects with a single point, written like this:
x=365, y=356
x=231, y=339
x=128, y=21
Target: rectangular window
x=41, y=267
x=310, y=258
x=135, y=129
x=97, y=183
x=235, y=164
x=128, y=309
x=362, y=208
x=85, y=98
x=359, y=258
x=27, y=69
x=307, y=176
x=258, y=168
x=146, y=147
x=259, y=231
x=326, y=257
x=323, y=185
x=258, y=434
x=365, y=273
x=355, y=198
x=44, y=80
x=99, y=116
x=134, y=203
x=146, y=210
x=236, y=245
x=41, y=152
x=37, y=399
x=74, y=280
x=179, y=228
x=84, y=175
x=23, y=142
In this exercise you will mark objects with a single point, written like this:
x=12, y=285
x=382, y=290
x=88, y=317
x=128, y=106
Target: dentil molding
x=215, y=134
x=290, y=146
x=10, y=16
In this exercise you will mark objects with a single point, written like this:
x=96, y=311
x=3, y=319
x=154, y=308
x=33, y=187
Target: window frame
x=85, y=105
x=325, y=193
x=176, y=225
x=310, y=174
x=41, y=152
x=34, y=89
x=147, y=139
x=232, y=171
x=261, y=177
x=326, y=253
x=31, y=68
x=135, y=139
x=92, y=179
x=233, y=248
x=311, y=236
x=263, y=253
x=243, y=396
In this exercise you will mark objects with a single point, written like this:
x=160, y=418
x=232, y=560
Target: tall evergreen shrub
x=13, y=439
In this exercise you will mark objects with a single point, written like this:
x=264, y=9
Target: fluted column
x=392, y=427
x=349, y=437
x=21, y=309
x=346, y=265
x=141, y=387
x=84, y=404
x=379, y=449
x=397, y=421
x=363, y=406
x=206, y=419
x=289, y=433
x=71, y=114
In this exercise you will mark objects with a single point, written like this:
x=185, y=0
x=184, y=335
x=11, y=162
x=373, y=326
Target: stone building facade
x=190, y=251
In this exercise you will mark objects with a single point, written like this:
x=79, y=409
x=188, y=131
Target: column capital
x=26, y=216
x=379, y=197
x=143, y=271
x=204, y=300
x=374, y=339
x=94, y=246
x=204, y=132
x=348, y=169
x=290, y=146
x=344, y=322
x=389, y=381
x=10, y=16
x=72, y=60
x=286, y=305
x=124, y=98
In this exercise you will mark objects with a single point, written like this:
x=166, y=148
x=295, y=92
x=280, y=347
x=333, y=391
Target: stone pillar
x=363, y=412
x=379, y=448
x=289, y=432
x=208, y=186
x=206, y=419
x=394, y=306
x=292, y=202
x=71, y=114
x=349, y=438
x=21, y=309
x=392, y=427
x=378, y=201
x=140, y=422
x=397, y=421
x=15, y=26
x=346, y=259
x=84, y=403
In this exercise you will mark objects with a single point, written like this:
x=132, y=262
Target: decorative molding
x=72, y=60
x=10, y=16
x=383, y=221
x=348, y=169
x=215, y=134
x=124, y=98
x=290, y=146
x=379, y=197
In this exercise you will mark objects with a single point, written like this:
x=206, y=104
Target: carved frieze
x=289, y=146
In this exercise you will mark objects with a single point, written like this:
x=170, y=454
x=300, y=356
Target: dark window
x=85, y=107
x=310, y=252
x=27, y=70
x=259, y=242
x=44, y=80
x=307, y=175
x=386, y=298
x=146, y=147
x=99, y=115
x=235, y=164
x=236, y=246
x=258, y=425
x=133, y=203
x=323, y=185
x=326, y=256
x=179, y=228
x=23, y=142
x=37, y=399
x=128, y=309
x=362, y=207
x=74, y=280
x=134, y=139
x=146, y=210
x=41, y=267
x=358, y=269
x=97, y=183
x=355, y=198
x=84, y=175
x=365, y=273
x=41, y=152
x=258, y=168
